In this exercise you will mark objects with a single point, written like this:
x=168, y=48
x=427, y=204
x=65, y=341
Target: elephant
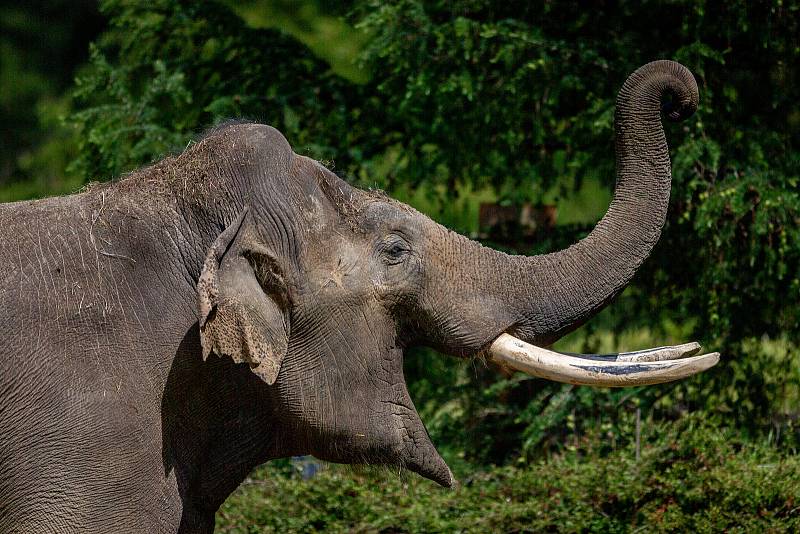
x=167, y=332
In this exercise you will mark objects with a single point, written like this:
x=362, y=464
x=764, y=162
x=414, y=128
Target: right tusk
x=639, y=368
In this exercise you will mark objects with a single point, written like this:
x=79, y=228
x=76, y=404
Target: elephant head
x=319, y=287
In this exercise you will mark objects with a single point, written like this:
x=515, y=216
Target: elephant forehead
x=383, y=212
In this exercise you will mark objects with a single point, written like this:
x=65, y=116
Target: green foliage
x=43, y=164
x=328, y=37
x=40, y=46
x=692, y=477
x=487, y=98
x=145, y=133
x=166, y=70
x=750, y=224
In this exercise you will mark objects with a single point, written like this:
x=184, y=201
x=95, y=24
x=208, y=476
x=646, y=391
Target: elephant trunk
x=555, y=293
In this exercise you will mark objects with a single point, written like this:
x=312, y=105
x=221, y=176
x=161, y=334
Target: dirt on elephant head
x=196, y=174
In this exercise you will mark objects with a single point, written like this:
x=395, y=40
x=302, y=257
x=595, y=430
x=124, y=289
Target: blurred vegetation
x=444, y=105
x=328, y=36
x=41, y=45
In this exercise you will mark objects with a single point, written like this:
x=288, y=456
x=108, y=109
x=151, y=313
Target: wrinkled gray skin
x=111, y=420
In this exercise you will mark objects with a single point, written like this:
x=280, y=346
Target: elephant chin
x=416, y=451
x=426, y=461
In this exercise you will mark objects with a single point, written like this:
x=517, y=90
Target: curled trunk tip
x=670, y=82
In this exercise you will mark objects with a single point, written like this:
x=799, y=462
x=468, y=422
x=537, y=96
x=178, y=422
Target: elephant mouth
x=437, y=471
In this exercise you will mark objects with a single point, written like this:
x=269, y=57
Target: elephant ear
x=242, y=304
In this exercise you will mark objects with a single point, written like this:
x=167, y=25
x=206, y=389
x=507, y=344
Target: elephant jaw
x=425, y=460
x=414, y=450
x=639, y=368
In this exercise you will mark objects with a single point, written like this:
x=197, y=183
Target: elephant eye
x=395, y=251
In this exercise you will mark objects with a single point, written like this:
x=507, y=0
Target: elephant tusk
x=639, y=368
x=659, y=354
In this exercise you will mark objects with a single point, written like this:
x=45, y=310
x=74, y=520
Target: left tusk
x=639, y=368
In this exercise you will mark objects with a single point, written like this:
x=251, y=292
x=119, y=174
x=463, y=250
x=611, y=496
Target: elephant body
x=86, y=360
x=111, y=420
x=165, y=333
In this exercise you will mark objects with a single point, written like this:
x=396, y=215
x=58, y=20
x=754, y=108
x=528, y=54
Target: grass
x=692, y=477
